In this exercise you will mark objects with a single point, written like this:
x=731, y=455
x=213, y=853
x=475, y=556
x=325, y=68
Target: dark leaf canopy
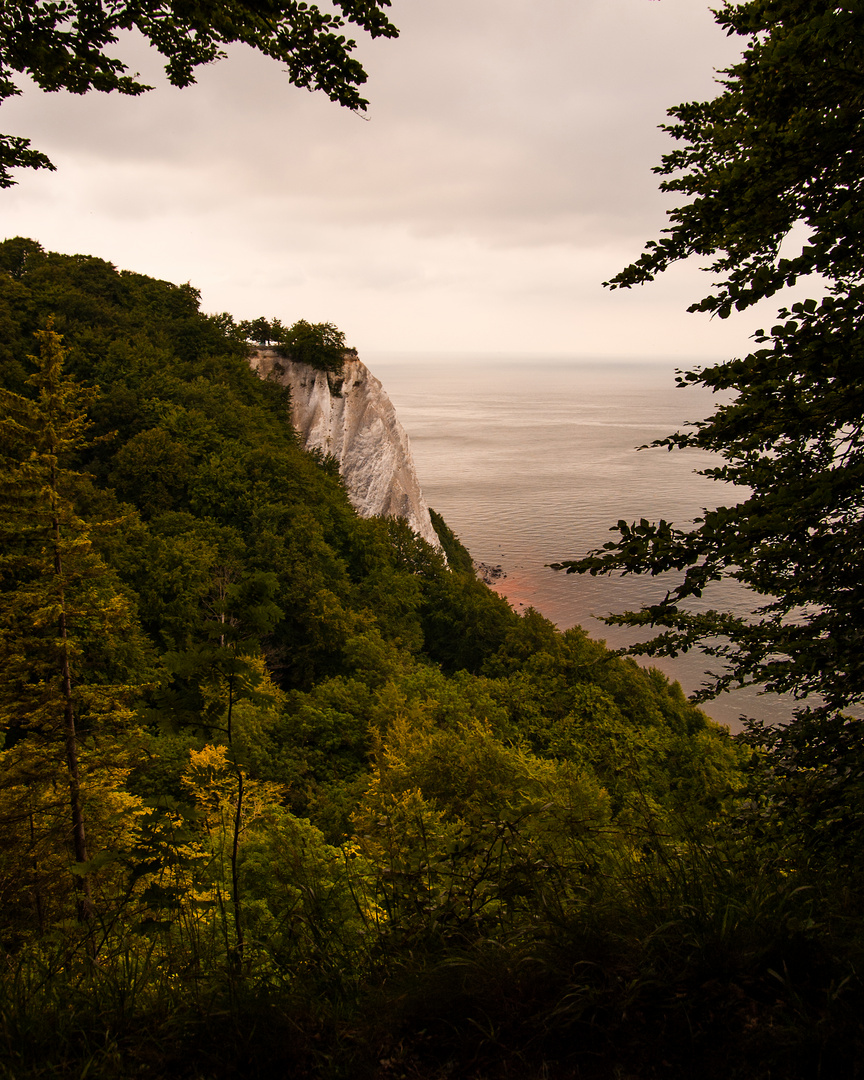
x=781, y=146
x=67, y=45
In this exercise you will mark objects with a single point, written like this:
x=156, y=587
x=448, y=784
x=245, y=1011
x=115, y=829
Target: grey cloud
x=502, y=174
x=517, y=122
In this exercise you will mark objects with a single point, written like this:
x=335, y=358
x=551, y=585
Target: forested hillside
x=283, y=792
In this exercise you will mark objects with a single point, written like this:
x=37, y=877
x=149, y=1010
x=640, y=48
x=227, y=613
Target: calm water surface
x=532, y=461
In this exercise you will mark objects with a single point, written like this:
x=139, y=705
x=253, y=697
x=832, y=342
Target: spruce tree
x=63, y=624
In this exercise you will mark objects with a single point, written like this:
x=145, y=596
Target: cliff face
x=352, y=418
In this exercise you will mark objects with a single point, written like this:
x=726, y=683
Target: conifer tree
x=63, y=626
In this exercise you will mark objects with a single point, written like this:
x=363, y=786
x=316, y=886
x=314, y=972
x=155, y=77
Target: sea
x=533, y=460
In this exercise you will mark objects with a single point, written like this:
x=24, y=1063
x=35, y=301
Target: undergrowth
x=697, y=958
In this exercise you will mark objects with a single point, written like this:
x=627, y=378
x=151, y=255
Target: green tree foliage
x=205, y=452
x=262, y=331
x=319, y=766
x=68, y=46
x=458, y=556
x=213, y=677
x=467, y=836
x=570, y=698
x=771, y=173
x=67, y=648
x=320, y=345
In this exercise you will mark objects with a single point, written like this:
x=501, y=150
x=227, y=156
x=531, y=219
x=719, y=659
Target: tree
x=65, y=46
x=777, y=156
x=262, y=331
x=320, y=345
x=61, y=615
x=213, y=676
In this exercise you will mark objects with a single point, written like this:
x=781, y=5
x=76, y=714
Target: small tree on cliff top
x=320, y=345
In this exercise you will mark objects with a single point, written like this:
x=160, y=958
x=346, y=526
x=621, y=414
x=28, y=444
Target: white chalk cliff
x=351, y=417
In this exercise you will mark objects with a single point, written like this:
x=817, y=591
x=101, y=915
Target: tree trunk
x=79, y=840
x=235, y=844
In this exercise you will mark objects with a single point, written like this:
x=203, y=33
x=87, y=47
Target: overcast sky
x=502, y=173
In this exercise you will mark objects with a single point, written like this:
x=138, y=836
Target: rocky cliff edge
x=351, y=417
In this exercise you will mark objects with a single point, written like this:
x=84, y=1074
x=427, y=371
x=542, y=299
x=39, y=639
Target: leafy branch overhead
x=772, y=172
x=68, y=45
x=780, y=147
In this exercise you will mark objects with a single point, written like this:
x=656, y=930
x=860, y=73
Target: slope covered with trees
x=281, y=791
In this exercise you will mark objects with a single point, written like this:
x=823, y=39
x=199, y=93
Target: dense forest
x=287, y=792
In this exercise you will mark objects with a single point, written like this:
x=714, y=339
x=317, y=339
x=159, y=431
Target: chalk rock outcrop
x=351, y=417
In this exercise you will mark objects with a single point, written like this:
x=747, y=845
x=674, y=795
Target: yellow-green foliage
x=639, y=735
x=468, y=835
